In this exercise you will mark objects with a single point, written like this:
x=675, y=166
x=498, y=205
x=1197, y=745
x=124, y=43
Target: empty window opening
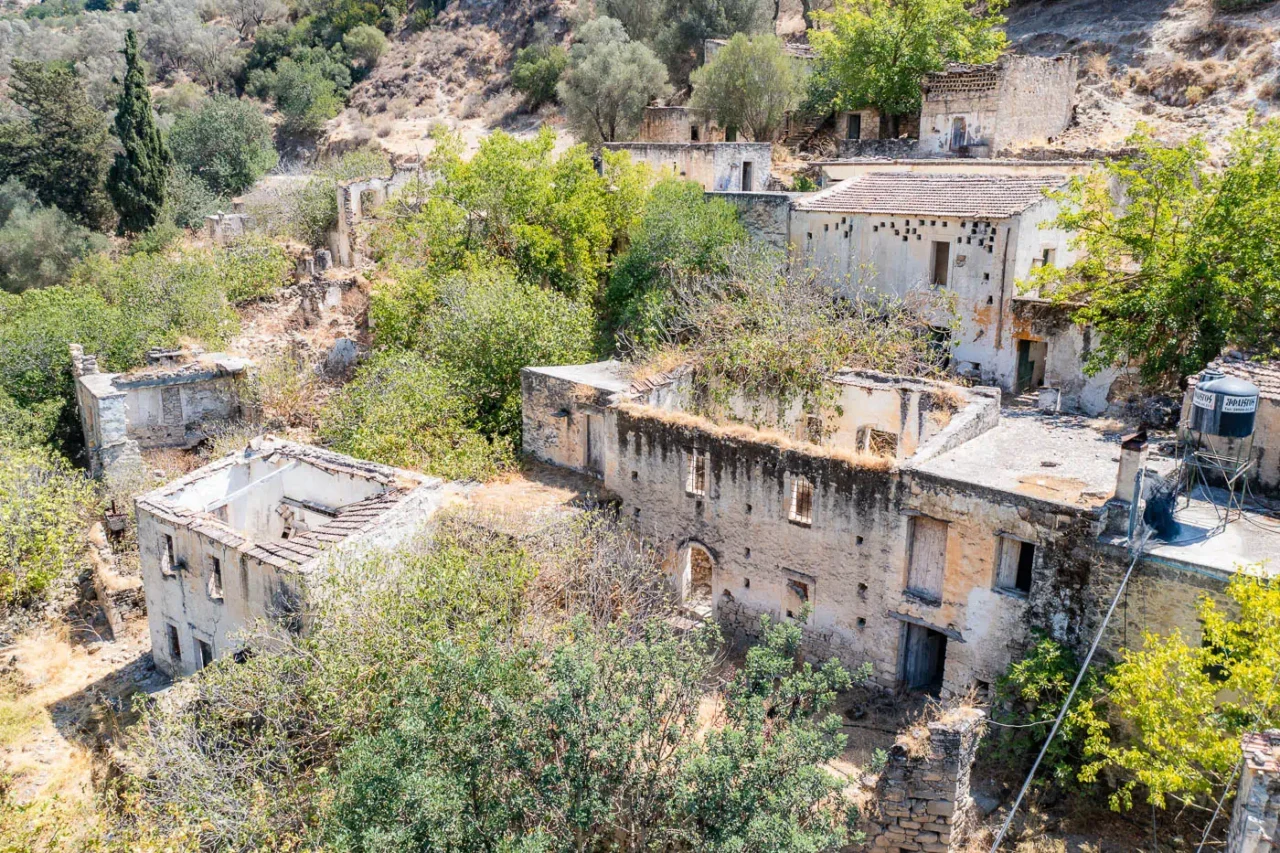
x=635, y=475
x=878, y=442
x=746, y=583
x=693, y=133
x=215, y=578
x=746, y=552
x=858, y=540
x=748, y=509
x=958, y=134
x=731, y=134
x=695, y=482
x=1046, y=259
x=636, y=513
x=1014, y=563
x=206, y=653
x=854, y=130
x=941, y=262
x=798, y=601
x=862, y=591
x=926, y=557
x=696, y=582
x=244, y=579
x=924, y=658
x=746, y=177
x=175, y=644
x=862, y=623
x=801, y=510
x=169, y=563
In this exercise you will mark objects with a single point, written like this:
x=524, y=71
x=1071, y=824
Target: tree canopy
x=1186, y=265
x=138, y=175
x=750, y=84
x=874, y=53
x=609, y=82
x=226, y=142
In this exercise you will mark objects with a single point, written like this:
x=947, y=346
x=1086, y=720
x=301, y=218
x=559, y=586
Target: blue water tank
x=1223, y=405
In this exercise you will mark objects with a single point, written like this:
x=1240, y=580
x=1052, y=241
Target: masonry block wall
x=715, y=166
x=1255, y=824
x=766, y=216
x=924, y=798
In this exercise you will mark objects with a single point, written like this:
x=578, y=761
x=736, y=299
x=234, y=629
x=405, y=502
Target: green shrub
x=305, y=97
x=365, y=45
x=38, y=244
x=402, y=411
x=536, y=72
x=252, y=268
x=44, y=516
x=313, y=209
x=225, y=142
x=188, y=199
x=421, y=18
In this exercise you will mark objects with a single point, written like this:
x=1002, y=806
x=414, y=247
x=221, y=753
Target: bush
x=44, y=515
x=38, y=245
x=402, y=411
x=305, y=97
x=365, y=45
x=421, y=18
x=536, y=72
x=188, y=199
x=251, y=268
x=313, y=209
x=225, y=142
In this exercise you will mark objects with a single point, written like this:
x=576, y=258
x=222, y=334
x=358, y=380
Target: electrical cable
x=1066, y=705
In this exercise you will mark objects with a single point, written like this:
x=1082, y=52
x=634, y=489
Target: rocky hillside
x=1181, y=66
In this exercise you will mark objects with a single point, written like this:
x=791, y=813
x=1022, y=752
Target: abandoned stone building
x=914, y=525
x=715, y=166
x=987, y=110
x=232, y=546
x=1255, y=823
x=358, y=198
x=975, y=237
x=171, y=402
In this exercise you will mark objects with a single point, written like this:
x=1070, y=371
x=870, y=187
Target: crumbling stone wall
x=677, y=124
x=923, y=791
x=766, y=216
x=222, y=228
x=1255, y=824
x=716, y=165
x=355, y=199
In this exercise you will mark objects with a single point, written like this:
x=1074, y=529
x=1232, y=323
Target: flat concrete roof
x=612, y=375
x=1061, y=459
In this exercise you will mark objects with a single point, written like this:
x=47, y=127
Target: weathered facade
x=678, y=124
x=987, y=110
x=974, y=237
x=231, y=547
x=765, y=215
x=716, y=166
x=913, y=526
x=1255, y=824
x=172, y=402
x=355, y=199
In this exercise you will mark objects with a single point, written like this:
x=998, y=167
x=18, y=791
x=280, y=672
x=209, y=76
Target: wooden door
x=927, y=558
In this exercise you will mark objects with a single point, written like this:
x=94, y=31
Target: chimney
x=1133, y=458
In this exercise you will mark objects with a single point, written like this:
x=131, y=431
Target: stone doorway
x=697, y=567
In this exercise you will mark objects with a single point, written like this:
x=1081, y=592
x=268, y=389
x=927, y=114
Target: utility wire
x=1066, y=705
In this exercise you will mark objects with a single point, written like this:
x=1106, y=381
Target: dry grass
x=658, y=366
x=1097, y=65
x=749, y=434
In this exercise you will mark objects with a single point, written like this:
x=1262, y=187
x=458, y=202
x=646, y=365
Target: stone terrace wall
x=924, y=801
x=766, y=216
x=1255, y=824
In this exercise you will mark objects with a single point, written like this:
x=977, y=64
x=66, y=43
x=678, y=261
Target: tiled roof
x=985, y=196
x=350, y=520
x=1264, y=374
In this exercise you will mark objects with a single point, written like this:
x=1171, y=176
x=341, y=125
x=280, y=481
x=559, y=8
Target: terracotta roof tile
x=1264, y=374
x=978, y=196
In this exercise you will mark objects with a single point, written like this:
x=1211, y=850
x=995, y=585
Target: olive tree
x=750, y=84
x=609, y=82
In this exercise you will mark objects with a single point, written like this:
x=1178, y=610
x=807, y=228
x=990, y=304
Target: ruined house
x=1255, y=824
x=988, y=110
x=715, y=166
x=973, y=236
x=232, y=546
x=174, y=401
x=913, y=526
x=356, y=199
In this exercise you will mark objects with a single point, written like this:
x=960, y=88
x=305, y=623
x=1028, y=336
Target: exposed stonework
x=678, y=125
x=984, y=110
x=923, y=792
x=1255, y=823
x=717, y=166
x=766, y=216
x=172, y=402
x=222, y=228
x=355, y=199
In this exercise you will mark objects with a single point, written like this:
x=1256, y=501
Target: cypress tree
x=137, y=177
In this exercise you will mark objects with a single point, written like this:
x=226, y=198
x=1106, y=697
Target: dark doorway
x=746, y=177
x=958, y=134
x=855, y=126
x=941, y=262
x=924, y=657
x=206, y=653
x=693, y=133
x=1031, y=362
x=595, y=445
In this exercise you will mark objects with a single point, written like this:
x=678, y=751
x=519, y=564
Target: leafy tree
x=401, y=410
x=537, y=71
x=365, y=45
x=226, y=142
x=313, y=209
x=677, y=29
x=609, y=82
x=554, y=217
x=188, y=200
x=248, y=15
x=43, y=517
x=682, y=233
x=58, y=146
x=750, y=84
x=595, y=742
x=38, y=245
x=1180, y=708
x=874, y=53
x=301, y=91
x=137, y=178
x=1186, y=266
